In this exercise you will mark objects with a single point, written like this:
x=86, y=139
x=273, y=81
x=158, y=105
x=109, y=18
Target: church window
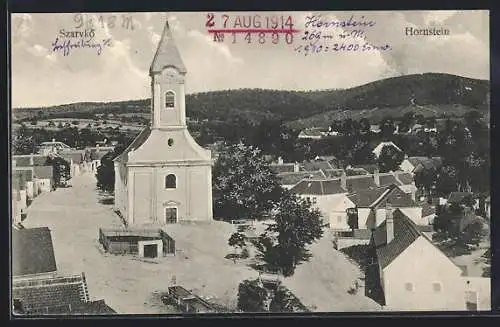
x=170, y=181
x=170, y=142
x=169, y=100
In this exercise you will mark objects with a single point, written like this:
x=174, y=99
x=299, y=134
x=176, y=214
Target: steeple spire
x=167, y=54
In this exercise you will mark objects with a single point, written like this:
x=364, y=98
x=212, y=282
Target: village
x=157, y=226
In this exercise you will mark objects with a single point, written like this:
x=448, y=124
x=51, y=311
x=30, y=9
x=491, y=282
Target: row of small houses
x=406, y=271
x=32, y=175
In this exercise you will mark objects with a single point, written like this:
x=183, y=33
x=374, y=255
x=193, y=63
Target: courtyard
x=133, y=285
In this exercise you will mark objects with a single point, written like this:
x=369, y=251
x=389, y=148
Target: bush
x=251, y=296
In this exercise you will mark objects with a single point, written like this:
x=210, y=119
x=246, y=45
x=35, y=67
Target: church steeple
x=167, y=54
x=168, y=75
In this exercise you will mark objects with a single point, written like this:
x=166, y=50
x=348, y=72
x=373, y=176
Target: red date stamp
x=251, y=28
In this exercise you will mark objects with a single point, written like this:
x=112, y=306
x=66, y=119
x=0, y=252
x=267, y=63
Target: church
x=164, y=176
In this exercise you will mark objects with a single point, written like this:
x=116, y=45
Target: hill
x=433, y=94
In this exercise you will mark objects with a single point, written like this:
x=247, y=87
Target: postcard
x=250, y=162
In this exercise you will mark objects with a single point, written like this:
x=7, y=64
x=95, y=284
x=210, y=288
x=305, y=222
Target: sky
x=43, y=77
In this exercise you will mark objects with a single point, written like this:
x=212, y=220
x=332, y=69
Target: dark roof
x=315, y=165
x=43, y=172
x=405, y=233
x=54, y=293
x=92, y=308
x=427, y=209
x=32, y=251
x=425, y=162
x=318, y=187
x=388, y=179
x=294, y=178
x=166, y=54
x=364, y=198
x=282, y=168
x=380, y=196
x=24, y=160
x=457, y=197
x=136, y=143
x=360, y=183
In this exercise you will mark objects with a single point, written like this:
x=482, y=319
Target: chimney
x=32, y=161
x=53, y=140
x=280, y=161
x=296, y=167
x=414, y=195
x=343, y=180
x=376, y=177
x=389, y=221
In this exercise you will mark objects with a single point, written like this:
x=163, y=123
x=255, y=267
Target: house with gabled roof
x=37, y=286
x=415, y=164
x=413, y=274
x=378, y=149
x=370, y=205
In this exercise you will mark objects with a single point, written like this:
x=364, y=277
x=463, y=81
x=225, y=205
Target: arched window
x=169, y=99
x=170, y=181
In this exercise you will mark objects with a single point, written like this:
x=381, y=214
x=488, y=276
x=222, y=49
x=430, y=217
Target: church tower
x=164, y=176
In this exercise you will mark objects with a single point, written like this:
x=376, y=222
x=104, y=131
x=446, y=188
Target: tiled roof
x=405, y=233
x=388, y=179
x=379, y=196
x=43, y=172
x=24, y=160
x=364, y=198
x=294, y=178
x=360, y=183
x=318, y=187
x=427, y=209
x=282, y=168
x=166, y=54
x=50, y=293
x=425, y=162
x=457, y=197
x=32, y=251
x=138, y=141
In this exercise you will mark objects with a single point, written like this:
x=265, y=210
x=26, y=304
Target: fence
x=125, y=241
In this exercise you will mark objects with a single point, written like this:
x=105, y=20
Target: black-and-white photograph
x=250, y=162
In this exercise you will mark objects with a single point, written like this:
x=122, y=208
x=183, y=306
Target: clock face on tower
x=171, y=72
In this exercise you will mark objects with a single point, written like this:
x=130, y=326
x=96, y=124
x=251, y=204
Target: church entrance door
x=171, y=215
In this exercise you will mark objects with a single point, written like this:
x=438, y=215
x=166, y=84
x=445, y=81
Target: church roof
x=167, y=54
x=138, y=141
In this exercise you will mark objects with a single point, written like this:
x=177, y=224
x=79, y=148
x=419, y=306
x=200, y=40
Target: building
x=288, y=180
x=370, y=206
x=44, y=178
x=378, y=149
x=30, y=160
x=37, y=287
x=311, y=134
x=76, y=160
x=52, y=147
x=413, y=274
x=164, y=176
x=415, y=164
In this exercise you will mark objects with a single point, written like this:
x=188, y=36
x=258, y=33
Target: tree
x=352, y=219
x=387, y=128
x=390, y=158
x=364, y=126
x=251, y=296
x=61, y=170
x=446, y=180
x=106, y=171
x=244, y=187
x=296, y=226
